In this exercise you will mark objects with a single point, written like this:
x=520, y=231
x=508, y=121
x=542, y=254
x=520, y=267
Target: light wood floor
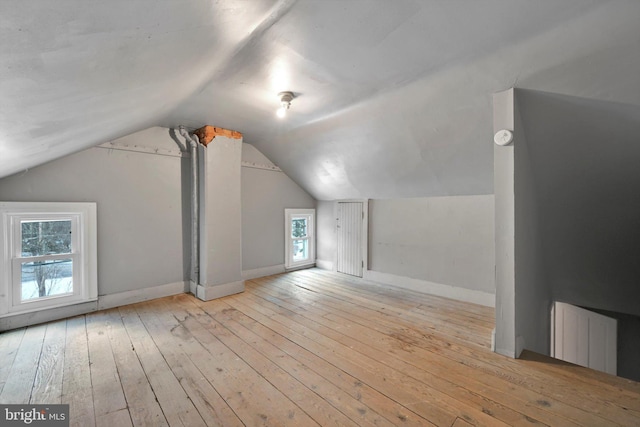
x=302, y=349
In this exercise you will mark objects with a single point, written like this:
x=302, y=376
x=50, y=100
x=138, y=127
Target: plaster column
x=220, y=217
x=504, y=188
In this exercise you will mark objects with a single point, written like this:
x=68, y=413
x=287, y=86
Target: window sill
x=68, y=303
x=300, y=266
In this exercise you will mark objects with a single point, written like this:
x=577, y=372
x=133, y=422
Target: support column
x=504, y=188
x=220, y=216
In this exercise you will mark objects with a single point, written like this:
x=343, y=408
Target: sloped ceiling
x=393, y=99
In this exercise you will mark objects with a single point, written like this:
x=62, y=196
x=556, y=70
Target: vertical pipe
x=193, y=144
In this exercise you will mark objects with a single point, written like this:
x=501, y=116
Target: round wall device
x=503, y=137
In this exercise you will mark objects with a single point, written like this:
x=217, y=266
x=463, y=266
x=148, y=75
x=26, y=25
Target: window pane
x=300, y=250
x=46, y=237
x=299, y=227
x=46, y=278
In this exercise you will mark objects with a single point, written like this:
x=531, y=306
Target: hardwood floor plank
x=47, y=387
x=444, y=376
x=19, y=383
x=393, y=294
x=305, y=348
x=589, y=376
x=76, y=381
x=461, y=314
x=141, y=401
x=178, y=409
x=120, y=418
x=461, y=423
x=396, y=296
x=530, y=404
x=252, y=397
x=618, y=391
x=432, y=369
x=108, y=395
x=404, y=390
x=462, y=334
x=9, y=345
x=290, y=379
x=575, y=396
x=213, y=409
x=288, y=351
x=433, y=321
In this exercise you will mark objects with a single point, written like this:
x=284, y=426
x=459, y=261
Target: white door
x=349, y=241
x=583, y=337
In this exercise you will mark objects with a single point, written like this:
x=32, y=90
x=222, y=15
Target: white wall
x=142, y=213
x=532, y=289
x=523, y=296
x=585, y=153
x=504, y=190
x=265, y=195
x=567, y=212
x=326, y=244
x=438, y=245
x=220, y=217
x=444, y=240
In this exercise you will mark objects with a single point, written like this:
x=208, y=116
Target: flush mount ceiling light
x=285, y=103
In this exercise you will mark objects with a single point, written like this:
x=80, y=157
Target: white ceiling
x=393, y=97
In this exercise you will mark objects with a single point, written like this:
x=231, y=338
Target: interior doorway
x=350, y=238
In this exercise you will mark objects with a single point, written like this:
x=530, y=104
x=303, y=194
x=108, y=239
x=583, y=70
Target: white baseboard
x=103, y=302
x=300, y=267
x=263, y=272
x=505, y=352
x=461, y=294
x=206, y=293
x=139, y=295
x=324, y=264
x=46, y=315
x=514, y=354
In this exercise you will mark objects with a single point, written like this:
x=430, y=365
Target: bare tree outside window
x=300, y=245
x=46, y=238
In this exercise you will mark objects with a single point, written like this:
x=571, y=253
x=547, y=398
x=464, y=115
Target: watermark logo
x=34, y=415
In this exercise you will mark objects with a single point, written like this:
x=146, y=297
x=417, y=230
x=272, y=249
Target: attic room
x=294, y=212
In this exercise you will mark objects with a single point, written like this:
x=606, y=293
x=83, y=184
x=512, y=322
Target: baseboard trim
x=103, y=302
x=207, y=293
x=46, y=315
x=461, y=294
x=300, y=267
x=263, y=272
x=139, y=295
x=324, y=264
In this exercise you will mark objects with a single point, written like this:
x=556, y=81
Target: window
x=299, y=237
x=49, y=254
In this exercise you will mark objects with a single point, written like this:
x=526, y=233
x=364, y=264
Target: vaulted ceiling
x=393, y=98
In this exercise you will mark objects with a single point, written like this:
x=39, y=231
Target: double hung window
x=48, y=255
x=300, y=237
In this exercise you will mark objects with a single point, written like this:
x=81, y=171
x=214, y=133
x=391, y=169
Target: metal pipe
x=195, y=264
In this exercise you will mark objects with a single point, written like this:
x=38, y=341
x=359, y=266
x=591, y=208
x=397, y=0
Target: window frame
x=83, y=254
x=290, y=215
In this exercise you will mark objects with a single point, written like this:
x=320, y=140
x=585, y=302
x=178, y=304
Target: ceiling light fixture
x=285, y=103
